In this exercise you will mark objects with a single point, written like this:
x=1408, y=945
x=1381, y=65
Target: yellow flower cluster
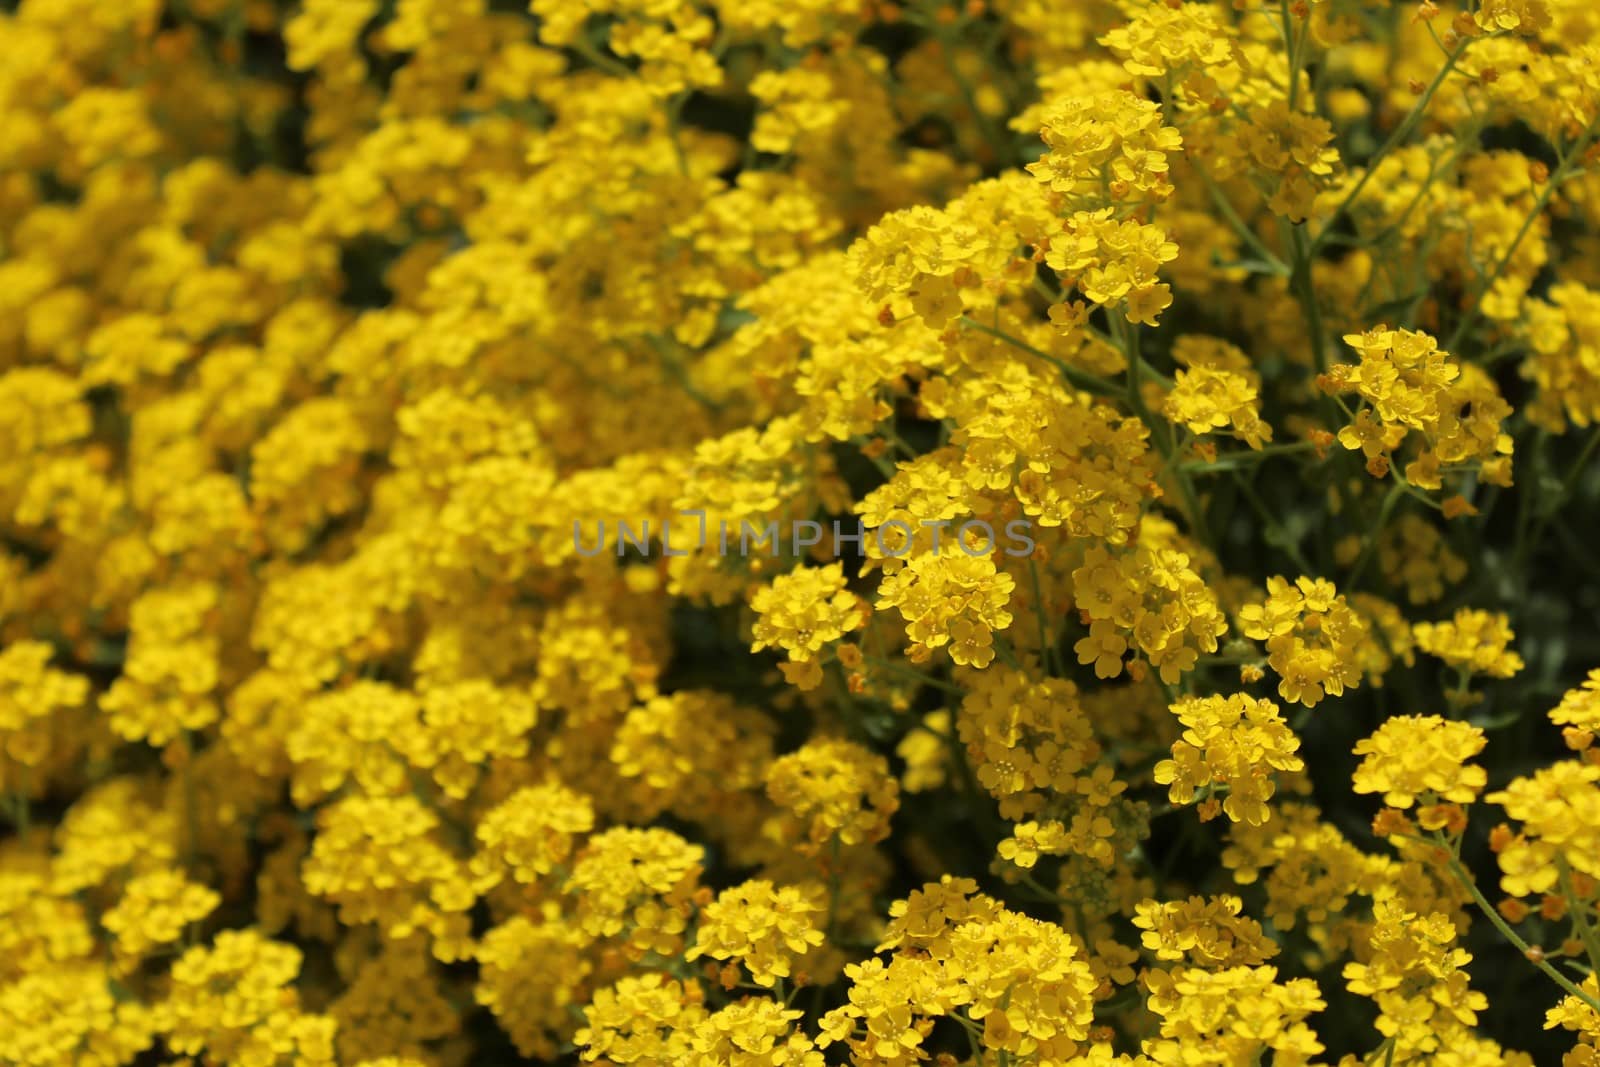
x=1113, y=143
x=1579, y=712
x=769, y=533
x=1148, y=600
x=1421, y=756
x=1415, y=973
x=801, y=612
x=1207, y=933
x=1311, y=634
x=763, y=927
x=1405, y=384
x=1217, y=390
x=154, y=910
x=1473, y=642
x=36, y=705
x=1231, y=746
x=1018, y=985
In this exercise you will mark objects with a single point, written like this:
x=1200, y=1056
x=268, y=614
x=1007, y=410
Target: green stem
x=675, y=131
x=834, y=884
x=1386, y=1050
x=1089, y=383
x=605, y=63
x=1562, y=172
x=24, y=807
x=1047, y=646
x=995, y=137
x=911, y=675
x=1239, y=226
x=1127, y=336
x=1292, y=44
x=885, y=467
x=1401, y=132
x=1520, y=548
x=972, y=1037
x=1463, y=876
x=678, y=372
x=1541, y=525
x=1234, y=460
x=1580, y=914
x=1038, y=887
x=191, y=806
x=1369, y=547
x=1270, y=521
x=1300, y=281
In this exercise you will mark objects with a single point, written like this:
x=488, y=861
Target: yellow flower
x=1112, y=141
x=804, y=610
x=1312, y=637
x=1209, y=933
x=764, y=927
x=1475, y=642
x=636, y=884
x=154, y=910
x=833, y=789
x=1421, y=756
x=1231, y=1015
x=1230, y=745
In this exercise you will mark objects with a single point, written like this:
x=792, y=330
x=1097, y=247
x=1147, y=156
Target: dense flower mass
x=738, y=533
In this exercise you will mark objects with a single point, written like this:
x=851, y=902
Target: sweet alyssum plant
x=1271, y=330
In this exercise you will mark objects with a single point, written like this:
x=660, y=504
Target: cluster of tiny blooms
x=799, y=533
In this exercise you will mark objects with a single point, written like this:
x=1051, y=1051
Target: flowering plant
x=1266, y=332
